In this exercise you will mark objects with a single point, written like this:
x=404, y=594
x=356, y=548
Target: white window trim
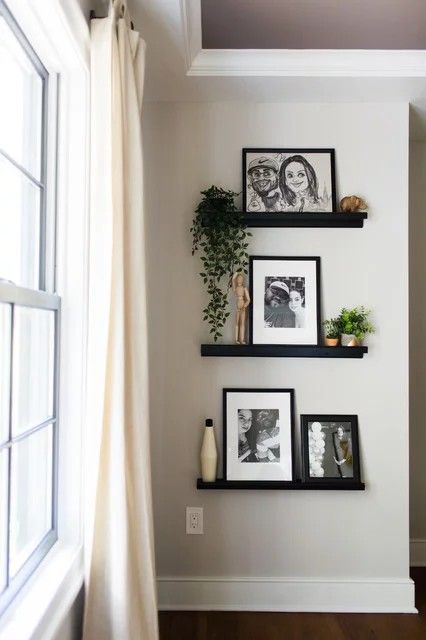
x=59, y=34
x=40, y=607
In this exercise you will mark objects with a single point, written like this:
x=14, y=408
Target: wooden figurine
x=243, y=301
x=350, y=204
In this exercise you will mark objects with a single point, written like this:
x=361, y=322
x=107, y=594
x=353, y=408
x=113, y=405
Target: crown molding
x=191, y=22
x=308, y=63
x=345, y=63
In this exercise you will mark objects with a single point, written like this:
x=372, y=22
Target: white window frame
x=43, y=298
x=59, y=35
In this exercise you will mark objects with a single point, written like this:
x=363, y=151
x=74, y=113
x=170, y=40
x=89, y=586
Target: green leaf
x=221, y=238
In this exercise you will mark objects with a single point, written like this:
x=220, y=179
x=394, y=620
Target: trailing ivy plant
x=219, y=233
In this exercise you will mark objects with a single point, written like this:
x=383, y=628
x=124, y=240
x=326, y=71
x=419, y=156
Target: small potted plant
x=332, y=332
x=354, y=325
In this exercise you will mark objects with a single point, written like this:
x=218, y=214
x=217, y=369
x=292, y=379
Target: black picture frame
x=238, y=390
x=295, y=151
x=317, y=260
x=305, y=421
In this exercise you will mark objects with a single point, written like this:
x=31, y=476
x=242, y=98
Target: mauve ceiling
x=314, y=24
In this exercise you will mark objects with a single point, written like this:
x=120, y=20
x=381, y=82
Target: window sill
x=39, y=608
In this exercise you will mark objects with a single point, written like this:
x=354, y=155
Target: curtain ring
x=120, y=7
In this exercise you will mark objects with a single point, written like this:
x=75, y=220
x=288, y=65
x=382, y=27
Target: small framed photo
x=289, y=180
x=330, y=448
x=285, y=295
x=258, y=434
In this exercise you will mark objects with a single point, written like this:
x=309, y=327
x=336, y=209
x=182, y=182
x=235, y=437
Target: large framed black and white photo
x=289, y=180
x=258, y=434
x=330, y=448
x=285, y=300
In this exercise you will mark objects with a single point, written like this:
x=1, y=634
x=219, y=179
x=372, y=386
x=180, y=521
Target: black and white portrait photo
x=285, y=305
x=284, y=301
x=330, y=447
x=288, y=180
x=258, y=434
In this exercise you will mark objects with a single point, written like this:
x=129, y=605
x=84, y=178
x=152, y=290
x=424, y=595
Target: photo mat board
x=330, y=448
x=258, y=434
x=285, y=300
x=283, y=180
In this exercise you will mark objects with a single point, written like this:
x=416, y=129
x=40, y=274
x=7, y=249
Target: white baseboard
x=286, y=594
x=418, y=553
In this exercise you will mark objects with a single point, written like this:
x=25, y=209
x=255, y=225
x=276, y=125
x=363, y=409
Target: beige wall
x=360, y=535
x=417, y=342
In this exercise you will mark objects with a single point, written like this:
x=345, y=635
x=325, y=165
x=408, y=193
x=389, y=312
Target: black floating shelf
x=271, y=220
x=280, y=351
x=297, y=485
x=335, y=219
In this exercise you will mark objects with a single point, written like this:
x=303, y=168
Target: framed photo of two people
x=258, y=434
x=285, y=294
x=289, y=180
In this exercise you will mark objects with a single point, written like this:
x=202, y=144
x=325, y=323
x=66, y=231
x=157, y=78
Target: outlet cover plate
x=194, y=520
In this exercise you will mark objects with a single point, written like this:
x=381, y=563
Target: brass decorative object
x=331, y=342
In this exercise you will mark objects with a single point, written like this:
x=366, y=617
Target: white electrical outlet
x=194, y=520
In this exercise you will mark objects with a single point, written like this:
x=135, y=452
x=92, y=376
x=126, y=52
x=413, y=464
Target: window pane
x=5, y=349
x=20, y=226
x=31, y=495
x=20, y=104
x=33, y=367
x=3, y=517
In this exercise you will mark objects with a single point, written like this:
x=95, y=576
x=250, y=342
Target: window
x=29, y=312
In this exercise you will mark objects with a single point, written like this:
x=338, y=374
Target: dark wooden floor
x=218, y=625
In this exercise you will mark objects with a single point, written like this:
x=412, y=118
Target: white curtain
x=120, y=588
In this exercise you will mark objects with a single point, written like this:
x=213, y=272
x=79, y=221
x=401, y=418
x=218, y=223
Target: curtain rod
x=93, y=16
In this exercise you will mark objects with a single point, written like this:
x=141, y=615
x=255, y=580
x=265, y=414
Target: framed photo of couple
x=289, y=180
x=285, y=294
x=258, y=434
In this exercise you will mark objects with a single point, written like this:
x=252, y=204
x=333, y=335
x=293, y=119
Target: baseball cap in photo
x=263, y=162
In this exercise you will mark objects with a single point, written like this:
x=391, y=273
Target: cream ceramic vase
x=209, y=453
